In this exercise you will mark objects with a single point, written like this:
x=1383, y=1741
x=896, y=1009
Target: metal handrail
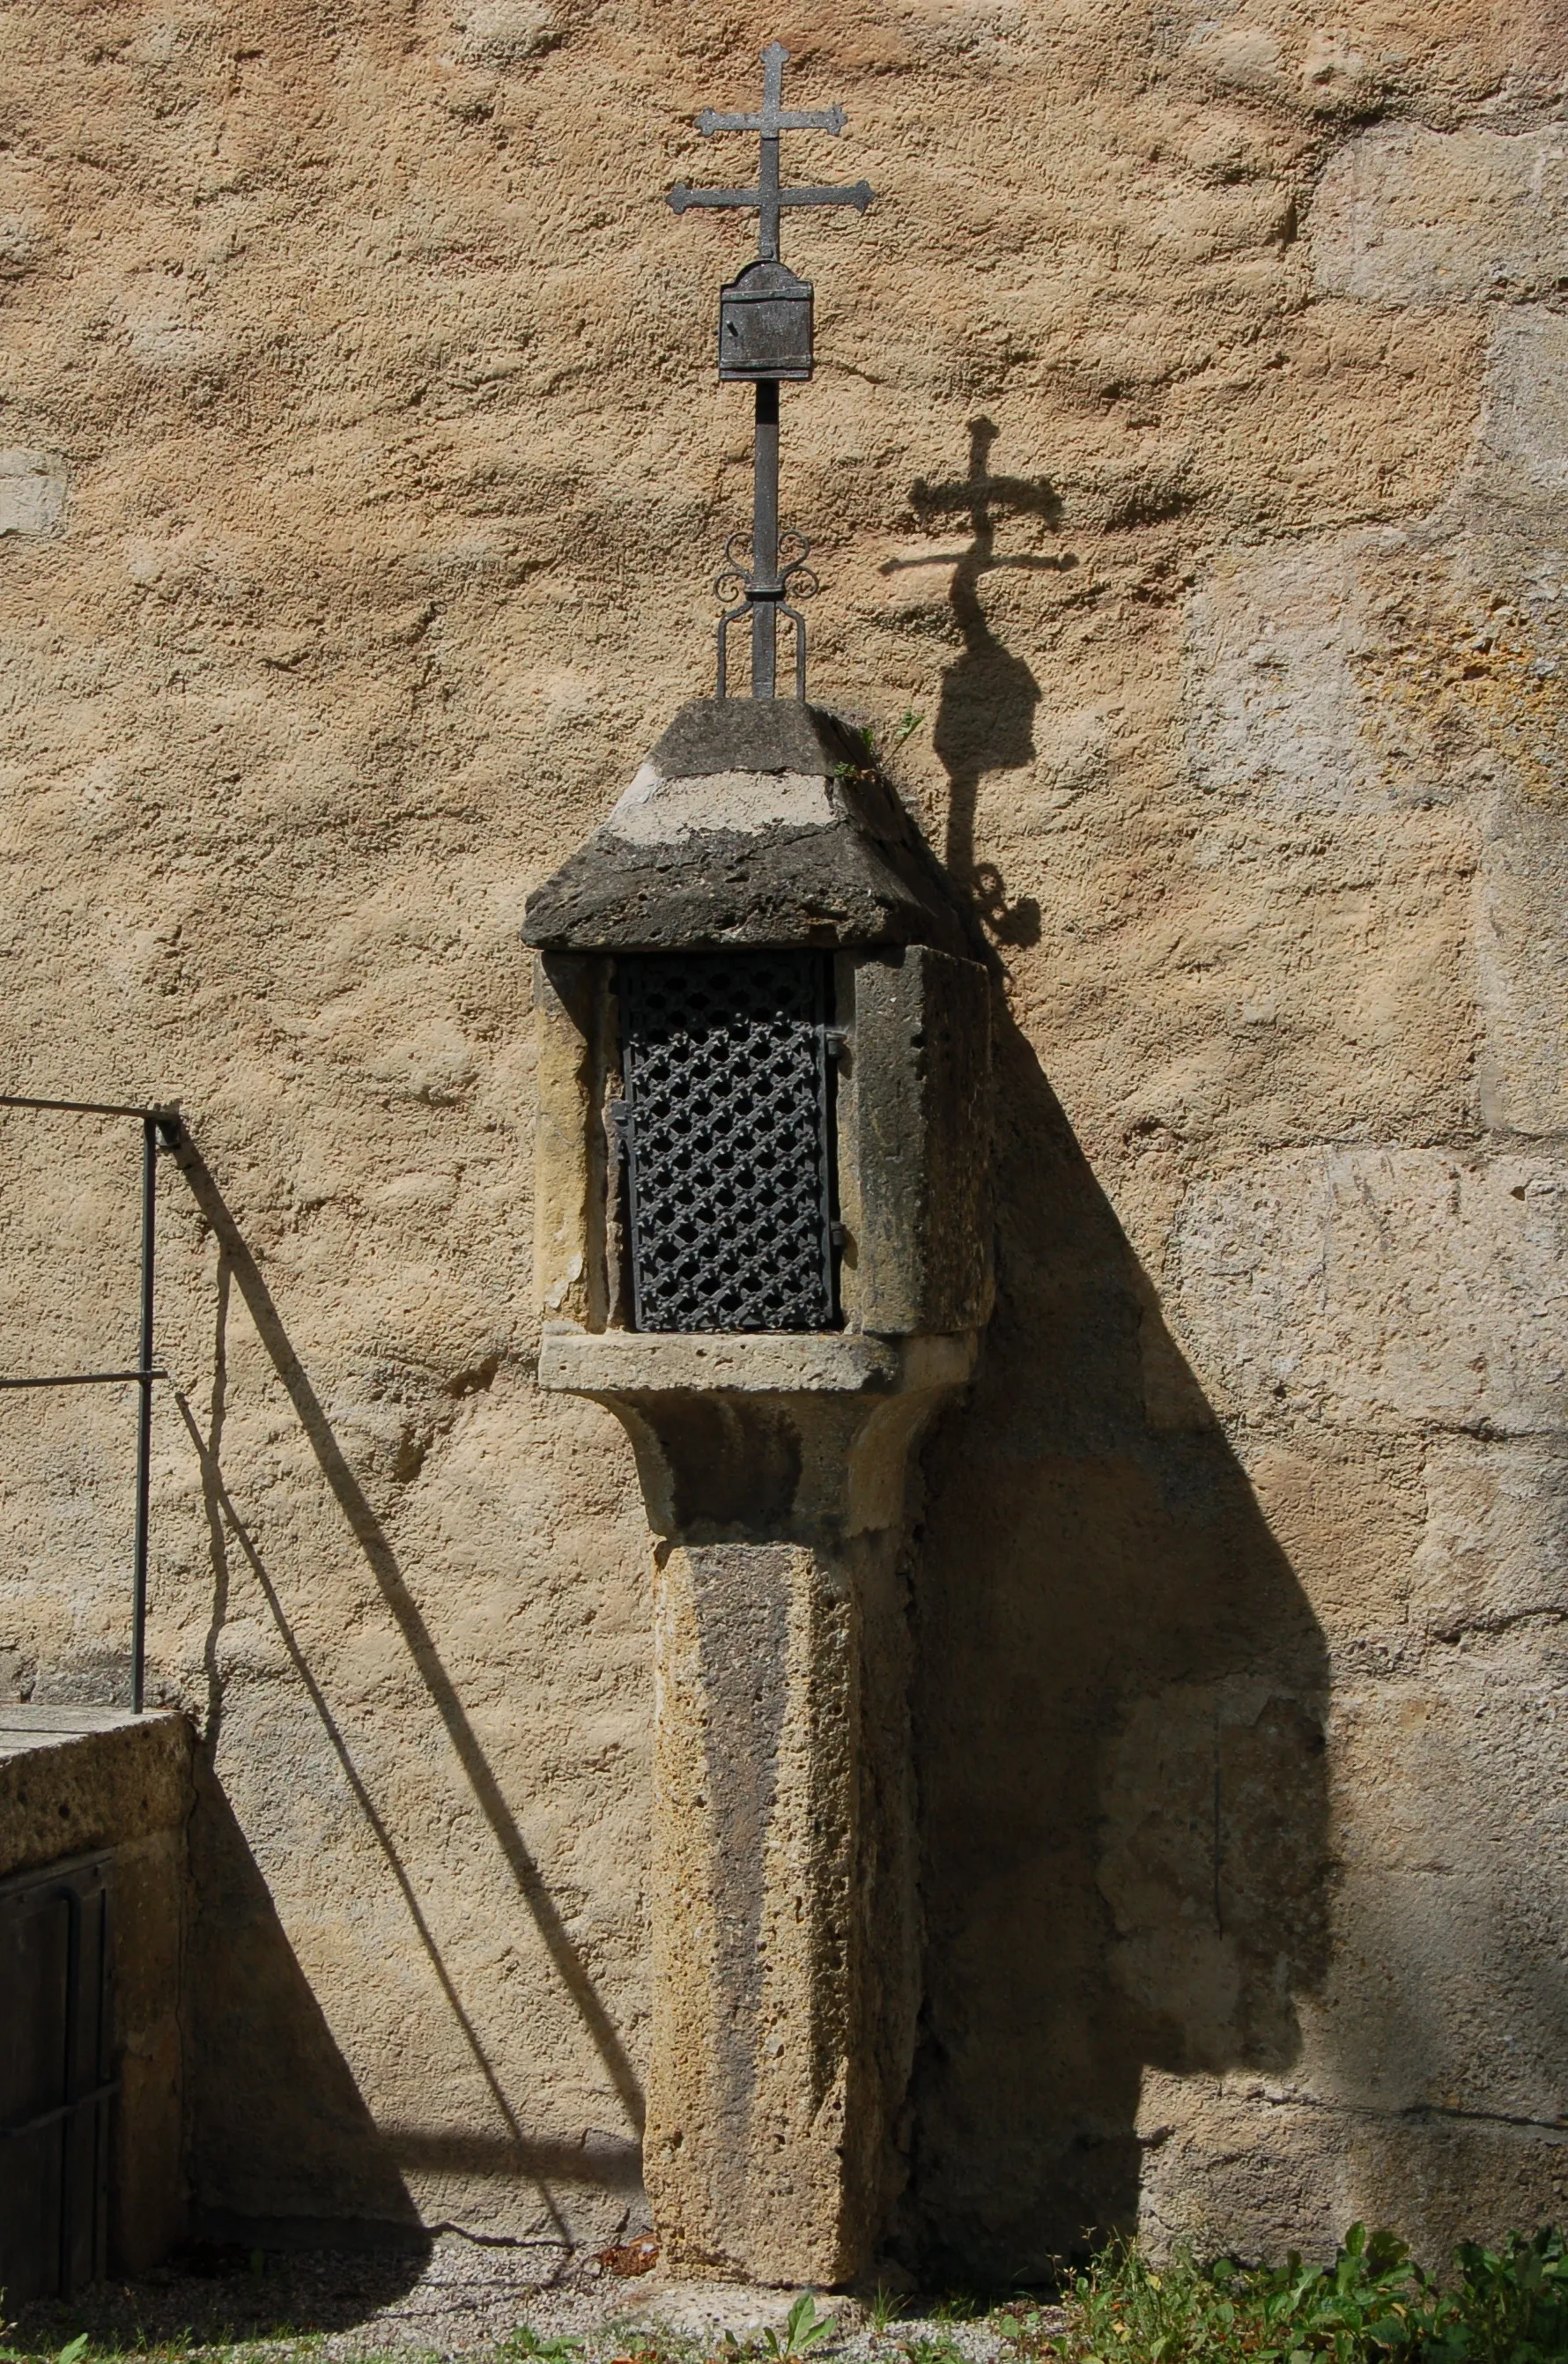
x=165, y=1124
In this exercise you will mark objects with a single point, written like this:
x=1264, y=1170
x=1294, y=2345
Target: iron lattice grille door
x=54, y=2079
x=728, y=1140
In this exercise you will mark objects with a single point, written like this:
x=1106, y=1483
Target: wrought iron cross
x=764, y=583
x=768, y=197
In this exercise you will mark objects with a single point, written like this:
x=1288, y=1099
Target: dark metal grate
x=55, y=2081
x=726, y=1140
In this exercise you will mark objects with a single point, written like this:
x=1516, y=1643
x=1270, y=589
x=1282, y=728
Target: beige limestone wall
x=361, y=479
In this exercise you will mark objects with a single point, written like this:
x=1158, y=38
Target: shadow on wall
x=251, y=2010
x=1119, y=1705
x=985, y=719
x=1119, y=1712
x=275, y=2107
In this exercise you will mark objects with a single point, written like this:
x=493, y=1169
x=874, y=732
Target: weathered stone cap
x=753, y=821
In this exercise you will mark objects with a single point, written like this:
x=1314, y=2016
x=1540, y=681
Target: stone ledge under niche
x=752, y=1362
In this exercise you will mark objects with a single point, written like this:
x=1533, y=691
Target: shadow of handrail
x=218, y=1495
x=372, y=1542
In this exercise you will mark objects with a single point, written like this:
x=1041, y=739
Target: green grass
x=1370, y=2305
x=275, y=2348
x=1502, y=2306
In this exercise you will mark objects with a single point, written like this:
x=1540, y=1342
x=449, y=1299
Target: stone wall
x=1189, y=452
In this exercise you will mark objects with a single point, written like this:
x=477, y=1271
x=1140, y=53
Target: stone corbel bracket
x=773, y=1467
x=804, y=1437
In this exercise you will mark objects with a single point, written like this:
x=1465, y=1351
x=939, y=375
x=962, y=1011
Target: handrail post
x=144, y=1416
x=156, y=1122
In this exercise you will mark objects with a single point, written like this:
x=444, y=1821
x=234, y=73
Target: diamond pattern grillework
x=726, y=1138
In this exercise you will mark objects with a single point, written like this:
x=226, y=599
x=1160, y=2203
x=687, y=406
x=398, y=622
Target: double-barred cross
x=768, y=197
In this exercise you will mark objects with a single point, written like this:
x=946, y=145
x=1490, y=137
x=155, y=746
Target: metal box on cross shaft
x=765, y=324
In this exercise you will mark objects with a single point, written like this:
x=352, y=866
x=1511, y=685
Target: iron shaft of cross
x=766, y=542
x=764, y=589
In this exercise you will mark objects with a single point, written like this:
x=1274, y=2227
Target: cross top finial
x=768, y=197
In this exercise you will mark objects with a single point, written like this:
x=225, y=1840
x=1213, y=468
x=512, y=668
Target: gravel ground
x=463, y=2298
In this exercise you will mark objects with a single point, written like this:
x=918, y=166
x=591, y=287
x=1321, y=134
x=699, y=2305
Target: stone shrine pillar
x=762, y=1241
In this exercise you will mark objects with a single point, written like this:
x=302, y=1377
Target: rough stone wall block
x=1522, y=958
x=573, y=1015
x=914, y=1162
x=33, y=487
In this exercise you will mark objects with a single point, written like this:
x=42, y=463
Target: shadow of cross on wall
x=986, y=717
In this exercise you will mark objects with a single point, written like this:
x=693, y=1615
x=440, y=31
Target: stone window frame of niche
x=910, y=1115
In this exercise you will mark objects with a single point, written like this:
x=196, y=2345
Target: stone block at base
x=78, y=1781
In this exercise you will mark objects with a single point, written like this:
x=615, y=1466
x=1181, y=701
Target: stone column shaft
x=783, y=1913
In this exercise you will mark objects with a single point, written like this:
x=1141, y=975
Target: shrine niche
x=762, y=1241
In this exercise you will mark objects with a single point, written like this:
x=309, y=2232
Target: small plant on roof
x=873, y=757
